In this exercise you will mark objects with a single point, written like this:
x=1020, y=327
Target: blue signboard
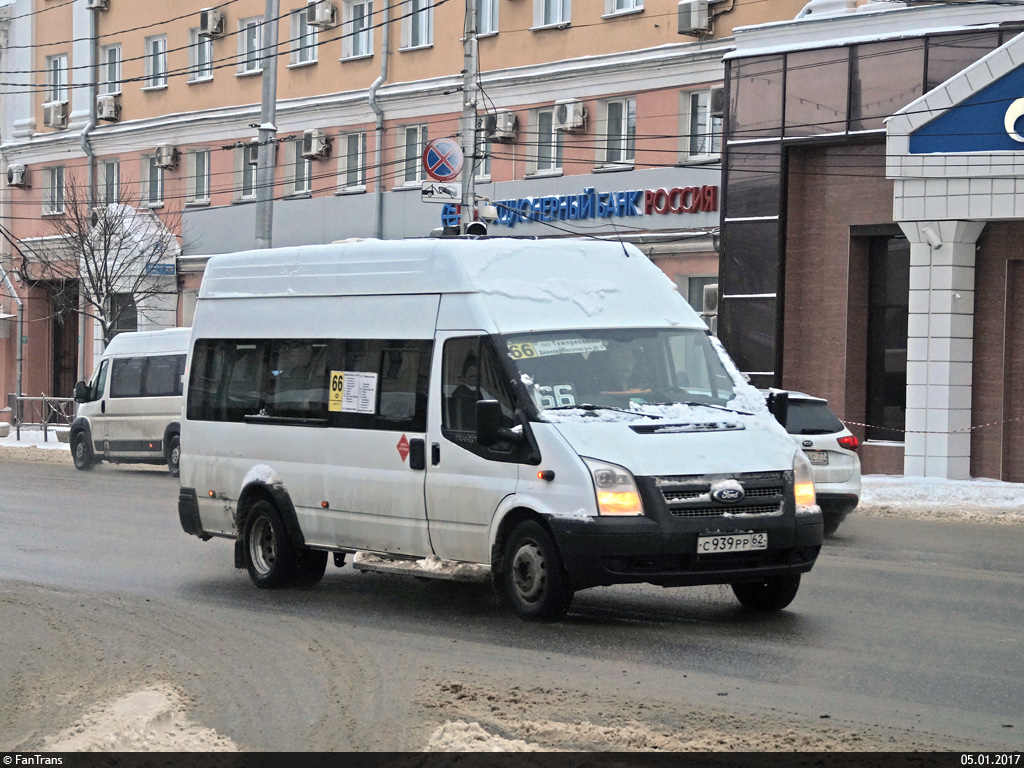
x=450, y=216
x=988, y=121
x=160, y=269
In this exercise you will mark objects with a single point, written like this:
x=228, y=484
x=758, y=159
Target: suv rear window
x=809, y=418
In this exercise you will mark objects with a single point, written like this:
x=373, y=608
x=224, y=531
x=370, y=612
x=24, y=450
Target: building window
x=152, y=182
x=53, y=195
x=547, y=13
x=352, y=161
x=702, y=123
x=246, y=159
x=250, y=45
x=547, y=157
x=622, y=6
x=156, y=61
x=486, y=17
x=619, y=134
x=304, y=37
x=200, y=56
x=358, y=37
x=109, y=181
x=418, y=24
x=110, y=69
x=124, y=315
x=300, y=178
x=482, y=162
x=57, y=77
x=198, y=168
x=692, y=288
x=888, y=309
x=412, y=141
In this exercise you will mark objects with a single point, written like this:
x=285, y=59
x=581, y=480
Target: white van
x=130, y=411
x=548, y=414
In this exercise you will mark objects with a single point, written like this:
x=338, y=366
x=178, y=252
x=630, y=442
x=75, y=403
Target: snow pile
x=461, y=736
x=936, y=497
x=150, y=720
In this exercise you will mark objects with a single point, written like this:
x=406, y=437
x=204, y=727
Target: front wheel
x=174, y=455
x=81, y=452
x=533, y=578
x=771, y=594
x=269, y=557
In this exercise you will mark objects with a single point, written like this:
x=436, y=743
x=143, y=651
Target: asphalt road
x=907, y=635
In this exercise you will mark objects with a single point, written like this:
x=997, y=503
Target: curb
x=33, y=453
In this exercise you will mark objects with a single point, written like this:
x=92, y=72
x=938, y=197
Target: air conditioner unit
x=694, y=18
x=211, y=23
x=55, y=114
x=570, y=116
x=717, y=102
x=710, y=300
x=167, y=156
x=97, y=5
x=501, y=126
x=315, y=144
x=321, y=13
x=17, y=176
x=107, y=108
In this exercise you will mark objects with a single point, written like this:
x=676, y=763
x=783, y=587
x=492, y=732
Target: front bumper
x=661, y=548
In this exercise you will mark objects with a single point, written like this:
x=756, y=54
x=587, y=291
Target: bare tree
x=110, y=262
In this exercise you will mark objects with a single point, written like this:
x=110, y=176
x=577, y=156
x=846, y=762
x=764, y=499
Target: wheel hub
x=529, y=571
x=262, y=546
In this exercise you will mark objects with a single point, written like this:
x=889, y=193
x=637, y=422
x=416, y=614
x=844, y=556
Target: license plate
x=731, y=542
x=818, y=458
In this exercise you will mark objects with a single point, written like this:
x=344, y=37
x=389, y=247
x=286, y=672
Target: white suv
x=831, y=447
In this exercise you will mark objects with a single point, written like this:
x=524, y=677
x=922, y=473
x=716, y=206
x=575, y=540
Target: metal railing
x=41, y=412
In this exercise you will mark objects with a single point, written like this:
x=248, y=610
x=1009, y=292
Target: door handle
x=435, y=454
x=103, y=406
x=417, y=453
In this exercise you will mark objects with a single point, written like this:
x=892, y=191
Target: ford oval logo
x=728, y=495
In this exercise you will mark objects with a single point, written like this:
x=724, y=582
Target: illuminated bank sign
x=591, y=204
x=990, y=120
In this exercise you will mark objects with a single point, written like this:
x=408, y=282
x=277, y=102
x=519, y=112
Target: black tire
x=832, y=521
x=174, y=455
x=534, y=580
x=771, y=594
x=269, y=555
x=81, y=452
x=311, y=566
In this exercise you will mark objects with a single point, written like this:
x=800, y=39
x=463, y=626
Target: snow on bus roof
x=585, y=278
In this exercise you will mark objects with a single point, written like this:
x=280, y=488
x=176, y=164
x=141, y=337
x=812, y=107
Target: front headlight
x=803, y=485
x=616, y=489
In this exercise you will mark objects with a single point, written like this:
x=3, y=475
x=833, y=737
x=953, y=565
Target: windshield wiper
x=707, y=405
x=590, y=407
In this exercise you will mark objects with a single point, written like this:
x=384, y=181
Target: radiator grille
x=689, y=496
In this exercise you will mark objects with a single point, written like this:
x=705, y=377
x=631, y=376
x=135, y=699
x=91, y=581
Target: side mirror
x=81, y=392
x=488, y=422
x=778, y=406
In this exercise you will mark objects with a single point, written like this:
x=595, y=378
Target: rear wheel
x=534, y=580
x=771, y=594
x=81, y=452
x=269, y=556
x=173, y=455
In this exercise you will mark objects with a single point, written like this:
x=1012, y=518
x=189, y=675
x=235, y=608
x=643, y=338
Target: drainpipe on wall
x=378, y=154
x=90, y=179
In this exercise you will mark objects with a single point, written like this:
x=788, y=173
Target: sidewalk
x=882, y=495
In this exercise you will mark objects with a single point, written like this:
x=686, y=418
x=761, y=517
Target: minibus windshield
x=619, y=368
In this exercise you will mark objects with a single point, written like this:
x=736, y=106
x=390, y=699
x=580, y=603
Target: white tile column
x=940, y=347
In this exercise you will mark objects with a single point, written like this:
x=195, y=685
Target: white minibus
x=549, y=415
x=130, y=411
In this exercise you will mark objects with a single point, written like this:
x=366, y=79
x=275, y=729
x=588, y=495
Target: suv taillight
x=849, y=442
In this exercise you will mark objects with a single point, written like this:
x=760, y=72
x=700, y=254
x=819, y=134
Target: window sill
x=198, y=204
x=205, y=79
x=493, y=33
x=249, y=73
x=557, y=25
x=153, y=206
x=301, y=64
x=298, y=196
x=620, y=14
x=410, y=186
x=350, y=191
x=700, y=160
x=553, y=173
x=357, y=57
x=416, y=48
x=154, y=88
x=613, y=168
x=482, y=179
x=51, y=214
x=111, y=93
x=241, y=200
